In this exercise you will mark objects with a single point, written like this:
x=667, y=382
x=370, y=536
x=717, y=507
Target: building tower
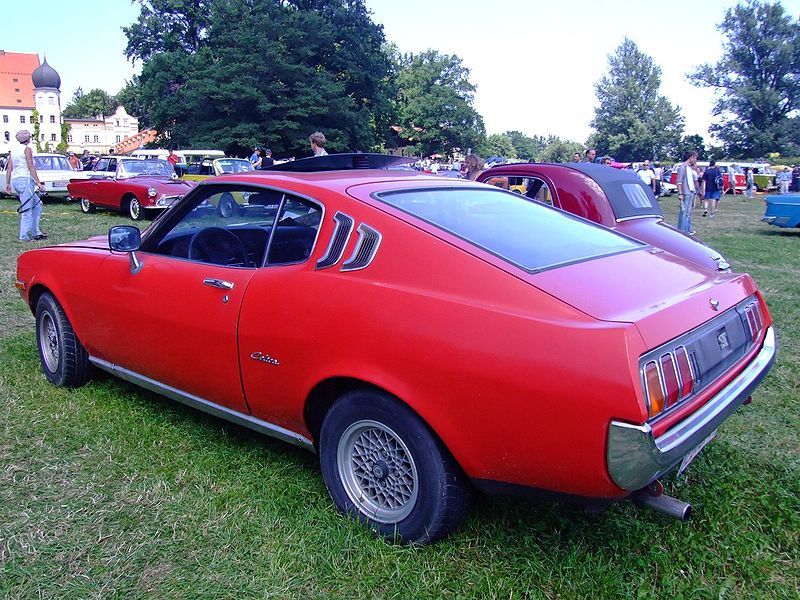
x=47, y=99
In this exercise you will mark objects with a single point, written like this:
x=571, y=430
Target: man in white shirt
x=648, y=176
x=686, y=192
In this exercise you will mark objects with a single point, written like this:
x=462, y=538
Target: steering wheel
x=218, y=246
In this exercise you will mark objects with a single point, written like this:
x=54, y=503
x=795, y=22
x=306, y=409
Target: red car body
x=130, y=185
x=362, y=314
x=614, y=198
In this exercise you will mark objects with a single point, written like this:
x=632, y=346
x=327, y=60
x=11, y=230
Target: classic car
x=614, y=198
x=208, y=167
x=783, y=210
x=55, y=172
x=726, y=168
x=131, y=185
x=426, y=337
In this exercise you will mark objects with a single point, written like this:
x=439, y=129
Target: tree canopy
x=757, y=80
x=235, y=73
x=435, y=102
x=633, y=120
x=91, y=104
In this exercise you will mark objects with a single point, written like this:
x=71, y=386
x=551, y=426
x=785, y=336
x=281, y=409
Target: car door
x=174, y=320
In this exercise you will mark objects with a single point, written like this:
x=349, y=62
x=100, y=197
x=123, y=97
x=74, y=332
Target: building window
x=86, y=139
x=69, y=138
x=52, y=137
x=52, y=118
x=41, y=119
x=31, y=120
x=22, y=118
x=119, y=138
x=97, y=139
x=16, y=90
x=7, y=135
x=15, y=80
x=51, y=100
x=117, y=119
x=5, y=118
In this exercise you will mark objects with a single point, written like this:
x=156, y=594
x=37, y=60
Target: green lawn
x=110, y=491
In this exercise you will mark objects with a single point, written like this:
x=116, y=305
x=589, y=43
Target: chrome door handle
x=218, y=283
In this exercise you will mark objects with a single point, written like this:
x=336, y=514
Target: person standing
x=22, y=179
x=748, y=173
x=590, y=155
x=686, y=192
x=648, y=176
x=474, y=165
x=172, y=158
x=576, y=157
x=254, y=156
x=796, y=178
x=318, y=141
x=784, y=179
x=712, y=178
x=266, y=159
x=74, y=161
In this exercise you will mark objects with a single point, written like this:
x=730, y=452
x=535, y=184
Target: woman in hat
x=21, y=176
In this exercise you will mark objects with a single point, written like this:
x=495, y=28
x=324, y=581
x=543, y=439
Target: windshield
x=531, y=235
x=51, y=163
x=132, y=168
x=233, y=165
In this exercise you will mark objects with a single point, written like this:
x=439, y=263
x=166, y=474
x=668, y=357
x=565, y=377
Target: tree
x=692, y=143
x=757, y=80
x=526, y=147
x=435, y=101
x=559, y=151
x=130, y=96
x=256, y=76
x=168, y=26
x=85, y=106
x=633, y=121
x=497, y=144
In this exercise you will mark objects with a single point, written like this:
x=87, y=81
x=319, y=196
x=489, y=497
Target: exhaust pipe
x=663, y=503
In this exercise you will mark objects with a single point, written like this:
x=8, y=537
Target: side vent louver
x=366, y=247
x=344, y=227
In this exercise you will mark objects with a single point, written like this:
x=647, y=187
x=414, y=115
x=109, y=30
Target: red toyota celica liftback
x=428, y=338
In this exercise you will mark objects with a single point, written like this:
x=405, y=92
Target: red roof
x=16, y=86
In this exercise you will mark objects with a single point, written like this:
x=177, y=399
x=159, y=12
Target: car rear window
x=527, y=234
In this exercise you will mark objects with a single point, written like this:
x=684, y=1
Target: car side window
x=244, y=227
x=102, y=165
x=112, y=164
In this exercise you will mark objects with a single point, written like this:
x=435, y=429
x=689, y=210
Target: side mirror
x=126, y=238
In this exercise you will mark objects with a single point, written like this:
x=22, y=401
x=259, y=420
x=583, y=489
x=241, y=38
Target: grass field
x=109, y=491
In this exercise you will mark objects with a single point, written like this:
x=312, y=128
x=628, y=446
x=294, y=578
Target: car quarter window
x=530, y=187
x=242, y=227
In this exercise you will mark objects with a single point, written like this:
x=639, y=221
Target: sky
x=534, y=63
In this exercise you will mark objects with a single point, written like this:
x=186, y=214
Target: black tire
x=227, y=205
x=64, y=360
x=134, y=209
x=86, y=206
x=385, y=467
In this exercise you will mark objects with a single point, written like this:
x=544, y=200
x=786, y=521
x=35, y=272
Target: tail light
x=668, y=380
x=754, y=320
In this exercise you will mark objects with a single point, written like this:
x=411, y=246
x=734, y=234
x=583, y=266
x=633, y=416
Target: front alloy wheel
x=135, y=209
x=384, y=466
x=64, y=361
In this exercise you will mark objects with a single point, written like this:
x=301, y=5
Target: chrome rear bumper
x=635, y=457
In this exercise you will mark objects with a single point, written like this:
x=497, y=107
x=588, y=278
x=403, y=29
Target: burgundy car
x=615, y=198
x=130, y=185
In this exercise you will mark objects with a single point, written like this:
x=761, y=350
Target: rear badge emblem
x=714, y=303
x=723, y=341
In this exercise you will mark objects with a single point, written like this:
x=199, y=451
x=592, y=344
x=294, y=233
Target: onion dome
x=45, y=76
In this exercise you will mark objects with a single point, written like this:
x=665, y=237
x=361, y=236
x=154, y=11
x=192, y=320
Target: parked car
x=764, y=177
x=211, y=167
x=614, y=198
x=185, y=157
x=783, y=210
x=55, y=172
x=425, y=336
x=131, y=185
x=727, y=169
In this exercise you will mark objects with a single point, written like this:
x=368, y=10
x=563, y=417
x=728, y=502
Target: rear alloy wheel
x=384, y=466
x=87, y=207
x=64, y=360
x=135, y=210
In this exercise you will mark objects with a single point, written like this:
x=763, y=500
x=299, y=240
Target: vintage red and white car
x=615, y=198
x=131, y=185
x=427, y=337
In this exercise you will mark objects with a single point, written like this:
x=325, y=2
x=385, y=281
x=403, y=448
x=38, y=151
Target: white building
x=102, y=133
x=26, y=85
